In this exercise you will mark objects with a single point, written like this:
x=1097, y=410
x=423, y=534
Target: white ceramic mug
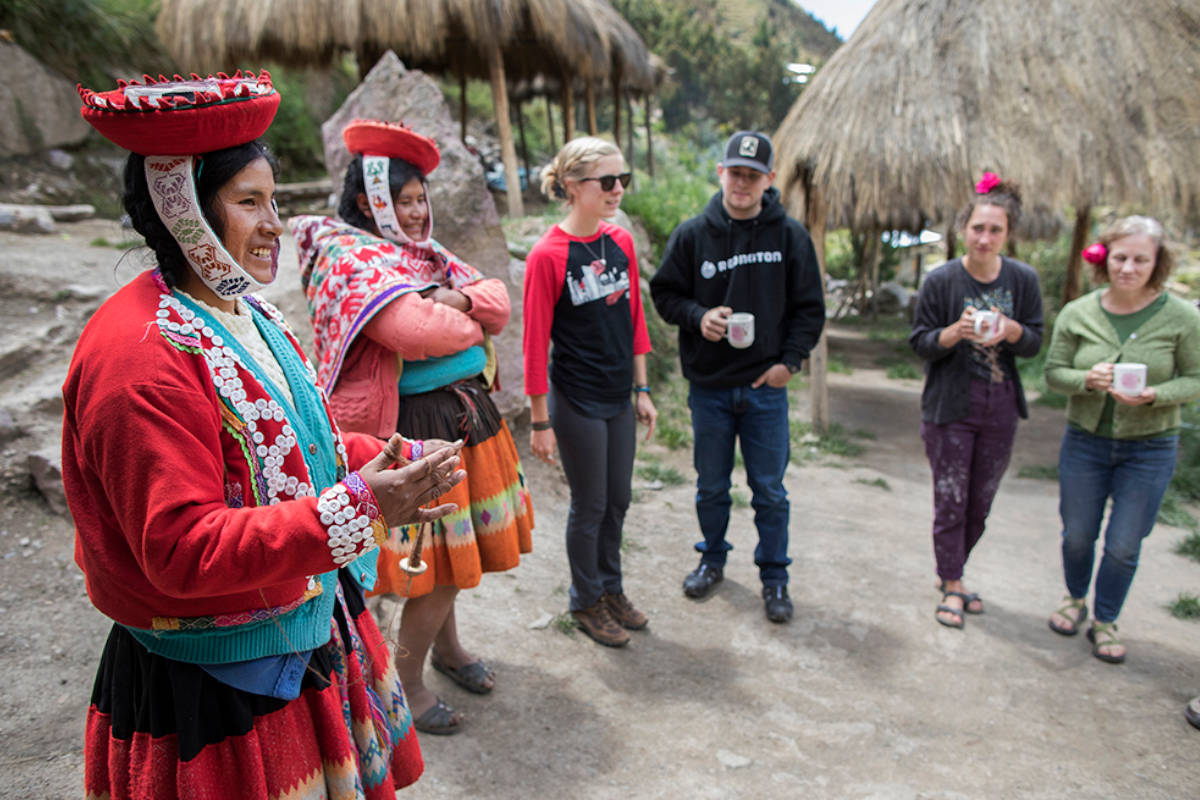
x=739, y=329
x=985, y=323
x=1129, y=379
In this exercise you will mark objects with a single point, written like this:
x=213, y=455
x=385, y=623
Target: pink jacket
x=412, y=327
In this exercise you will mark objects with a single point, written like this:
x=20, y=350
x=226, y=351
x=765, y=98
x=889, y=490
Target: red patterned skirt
x=159, y=729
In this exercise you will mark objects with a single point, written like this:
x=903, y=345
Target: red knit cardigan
x=176, y=519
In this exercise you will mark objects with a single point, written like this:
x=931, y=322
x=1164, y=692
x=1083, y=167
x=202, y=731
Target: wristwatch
x=793, y=368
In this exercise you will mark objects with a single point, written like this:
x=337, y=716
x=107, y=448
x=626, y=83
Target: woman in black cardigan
x=975, y=314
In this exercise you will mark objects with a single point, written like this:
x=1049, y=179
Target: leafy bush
x=86, y=40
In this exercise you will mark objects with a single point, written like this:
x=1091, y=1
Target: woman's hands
x=647, y=414
x=543, y=444
x=1100, y=379
x=449, y=297
x=401, y=492
x=1006, y=329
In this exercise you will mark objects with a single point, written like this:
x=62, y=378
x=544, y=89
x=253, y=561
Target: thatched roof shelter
x=502, y=41
x=1081, y=101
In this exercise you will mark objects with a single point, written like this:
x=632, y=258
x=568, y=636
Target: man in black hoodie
x=743, y=254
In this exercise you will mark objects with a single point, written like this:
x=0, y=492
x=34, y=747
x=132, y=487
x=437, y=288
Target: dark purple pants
x=968, y=457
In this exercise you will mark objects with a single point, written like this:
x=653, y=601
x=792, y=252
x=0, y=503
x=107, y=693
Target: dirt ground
x=863, y=695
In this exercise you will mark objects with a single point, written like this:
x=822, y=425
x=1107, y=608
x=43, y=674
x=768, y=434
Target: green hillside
x=814, y=42
x=727, y=58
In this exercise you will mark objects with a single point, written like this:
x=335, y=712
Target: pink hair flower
x=1095, y=253
x=987, y=182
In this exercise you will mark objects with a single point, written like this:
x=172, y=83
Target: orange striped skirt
x=490, y=530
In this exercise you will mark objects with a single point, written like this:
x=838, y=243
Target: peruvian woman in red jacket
x=223, y=522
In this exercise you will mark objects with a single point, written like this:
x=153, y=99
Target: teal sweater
x=1168, y=343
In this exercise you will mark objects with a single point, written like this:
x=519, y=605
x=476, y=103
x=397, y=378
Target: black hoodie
x=765, y=265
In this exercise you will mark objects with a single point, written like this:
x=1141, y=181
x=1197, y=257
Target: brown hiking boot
x=624, y=612
x=598, y=623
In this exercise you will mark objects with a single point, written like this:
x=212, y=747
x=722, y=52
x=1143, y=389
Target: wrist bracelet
x=542, y=425
x=642, y=388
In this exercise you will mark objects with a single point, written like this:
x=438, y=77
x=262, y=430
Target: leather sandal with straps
x=1104, y=634
x=956, y=614
x=1074, y=610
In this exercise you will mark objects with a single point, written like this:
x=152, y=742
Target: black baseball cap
x=749, y=149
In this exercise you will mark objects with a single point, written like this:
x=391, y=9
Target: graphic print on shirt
x=988, y=358
x=590, y=277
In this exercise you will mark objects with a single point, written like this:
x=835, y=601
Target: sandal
x=957, y=613
x=1104, y=634
x=1075, y=610
x=439, y=719
x=968, y=599
x=469, y=676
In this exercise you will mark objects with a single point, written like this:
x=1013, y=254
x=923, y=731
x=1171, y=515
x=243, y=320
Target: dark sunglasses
x=607, y=182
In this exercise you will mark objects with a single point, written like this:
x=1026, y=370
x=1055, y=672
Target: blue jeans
x=759, y=417
x=1090, y=470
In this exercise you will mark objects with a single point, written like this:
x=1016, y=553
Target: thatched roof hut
x=502, y=41
x=1081, y=101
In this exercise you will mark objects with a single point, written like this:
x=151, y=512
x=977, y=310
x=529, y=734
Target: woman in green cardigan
x=1120, y=441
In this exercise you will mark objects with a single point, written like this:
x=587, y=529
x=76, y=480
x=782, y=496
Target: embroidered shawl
x=349, y=275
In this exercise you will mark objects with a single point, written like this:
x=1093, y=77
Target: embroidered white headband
x=173, y=190
x=379, y=198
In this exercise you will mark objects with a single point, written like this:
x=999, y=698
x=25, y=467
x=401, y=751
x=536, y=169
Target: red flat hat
x=181, y=116
x=371, y=137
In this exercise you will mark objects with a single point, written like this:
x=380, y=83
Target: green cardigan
x=1168, y=343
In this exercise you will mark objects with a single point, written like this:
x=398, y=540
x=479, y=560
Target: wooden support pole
x=1083, y=226
x=649, y=137
x=521, y=135
x=616, y=87
x=818, y=359
x=550, y=124
x=568, y=108
x=593, y=128
x=629, y=131
x=516, y=207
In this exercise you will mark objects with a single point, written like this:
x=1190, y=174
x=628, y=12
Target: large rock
x=464, y=216
x=45, y=466
x=38, y=109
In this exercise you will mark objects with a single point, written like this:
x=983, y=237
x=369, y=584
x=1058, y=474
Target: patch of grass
x=631, y=545
x=836, y=442
x=879, y=483
x=1189, y=546
x=739, y=499
x=674, y=437
x=1173, y=512
x=564, y=623
x=100, y=241
x=904, y=371
x=1185, y=606
x=835, y=364
x=669, y=476
x=1039, y=472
